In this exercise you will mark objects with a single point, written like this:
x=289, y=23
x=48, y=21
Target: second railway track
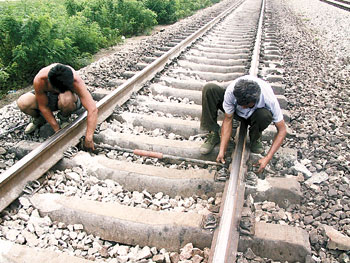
x=343, y=4
x=96, y=205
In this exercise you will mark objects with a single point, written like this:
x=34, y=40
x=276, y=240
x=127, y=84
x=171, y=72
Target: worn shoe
x=256, y=146
x=209, y=144
x=64, y=120
x=35, y=124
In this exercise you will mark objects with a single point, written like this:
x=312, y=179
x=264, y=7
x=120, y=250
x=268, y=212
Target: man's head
x=247, y=92
x=61, y=77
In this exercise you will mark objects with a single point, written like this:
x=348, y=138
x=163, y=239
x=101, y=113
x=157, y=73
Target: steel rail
x=43, y=157
x=338, y=3
x=225, y=246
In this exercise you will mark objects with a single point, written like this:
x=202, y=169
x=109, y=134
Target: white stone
x=92, y=250
x=336, y=239
x=53, y=241
x=123, y=250
x=73, y=235
x=123, y=259
x=78, y=227
x=12, y=234
x=154, y=250
x=158, y=195
x=317, y=178
x=20, y=239
x=298, y=167
x=58, y=233
x=171, y=136
x=186, y=251
x=137, y=197
x=25, y=202
x=73, y=176
x=23, y=216
x=113, y=251
x=81, y=235
x=144, y=253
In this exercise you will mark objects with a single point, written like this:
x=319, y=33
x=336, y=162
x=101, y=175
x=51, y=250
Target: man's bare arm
x=226, y=130
x=277, y=142
x=42, y=100
x=90, y=105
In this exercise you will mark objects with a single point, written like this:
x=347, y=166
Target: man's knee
x=26, y=101
x=210, y=88
x=212, y=93
x=262, y=117
x=66, y=102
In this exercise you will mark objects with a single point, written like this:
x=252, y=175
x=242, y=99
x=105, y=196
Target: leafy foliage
x=165, y=10
x=123, y=17
x=186, y=8
x=36, y=33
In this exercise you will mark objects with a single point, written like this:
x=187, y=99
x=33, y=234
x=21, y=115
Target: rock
x=122, y=259
x=158, y=195
x=336, y=240
x=159, y=258
x=269, y=206
x=12, y=234
x=174, y=257
x=58, y=233
x=103, y=252
x=308, y=220
x=298, y=167
x=123, y=250
x=25, y=202
x=313, y=237
x=2, y=151
x=197, y=251
x=249, y=254
x=186, y=251
x=20, y=239
x=197, y=259
x=73, y=235
x=317, y=178
x=344, y=258
x=144, y=253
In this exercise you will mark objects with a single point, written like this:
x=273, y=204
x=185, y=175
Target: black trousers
x=212, y=100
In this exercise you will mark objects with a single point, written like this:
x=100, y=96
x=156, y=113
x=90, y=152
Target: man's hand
x=220, y=158
x=262, y=164
x=226, y=130
x=277, y=142
x=89, y=144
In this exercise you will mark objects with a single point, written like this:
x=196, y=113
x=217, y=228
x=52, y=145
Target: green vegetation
x=36, y=33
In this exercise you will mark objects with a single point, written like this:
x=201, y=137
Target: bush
x=135, y=18
x=126, y=17
x=36, y=33
x=186, y=8
x=30, y=41
x=4, y=76
x=165, y=10
x=86, y=39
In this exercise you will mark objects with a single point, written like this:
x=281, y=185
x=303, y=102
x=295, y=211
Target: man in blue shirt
x=247, y=99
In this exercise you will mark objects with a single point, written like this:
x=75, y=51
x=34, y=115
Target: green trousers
x=212, y=100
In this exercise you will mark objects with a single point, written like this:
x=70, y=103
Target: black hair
x=61, y=77
x=246, y=91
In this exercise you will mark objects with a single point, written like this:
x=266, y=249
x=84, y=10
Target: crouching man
x=247, y=99
x=58, y=87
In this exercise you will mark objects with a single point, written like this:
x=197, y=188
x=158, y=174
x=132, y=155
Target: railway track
x=343, y=4
x=146, y=190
